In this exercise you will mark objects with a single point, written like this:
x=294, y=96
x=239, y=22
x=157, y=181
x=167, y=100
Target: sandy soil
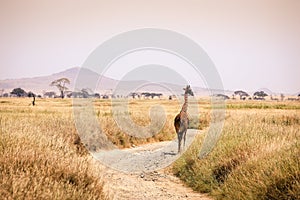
x=140, y=173
x=158, y=185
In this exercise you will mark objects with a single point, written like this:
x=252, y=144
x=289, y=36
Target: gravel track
x=140, y=173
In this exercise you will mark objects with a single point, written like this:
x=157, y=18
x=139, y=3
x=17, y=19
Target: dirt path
x=141, y=172
x=159, y=185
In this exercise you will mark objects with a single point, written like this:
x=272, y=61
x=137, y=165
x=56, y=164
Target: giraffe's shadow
x=169, y=153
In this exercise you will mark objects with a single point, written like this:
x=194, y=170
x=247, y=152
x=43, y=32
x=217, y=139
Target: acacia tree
x=260, y=94
x=241, y=93
x=19, y=92
x=31, y=94
x=86, y=92
x=61, y=85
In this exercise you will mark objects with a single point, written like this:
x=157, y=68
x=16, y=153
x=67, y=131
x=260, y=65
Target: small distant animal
x=33, y=101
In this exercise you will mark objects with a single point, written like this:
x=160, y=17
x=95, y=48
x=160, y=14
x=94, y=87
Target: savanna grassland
x=40, y=153
x=257, y=156
x=139, y=112
x=42, y=157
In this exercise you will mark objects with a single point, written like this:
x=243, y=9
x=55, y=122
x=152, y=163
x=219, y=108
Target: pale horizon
x=253, y=44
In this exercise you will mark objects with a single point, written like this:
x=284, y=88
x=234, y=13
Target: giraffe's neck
x=185, y=105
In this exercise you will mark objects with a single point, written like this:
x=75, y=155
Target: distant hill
x=41, y=84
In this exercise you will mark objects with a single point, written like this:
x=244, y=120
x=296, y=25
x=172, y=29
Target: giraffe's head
x=188, y=90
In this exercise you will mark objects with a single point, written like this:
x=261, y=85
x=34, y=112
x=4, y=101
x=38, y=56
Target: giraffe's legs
x=179, y=141
x=184, y=137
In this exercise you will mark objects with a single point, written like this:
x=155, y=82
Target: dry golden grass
x=139, y=113
x=40, y=156
x=257, y=156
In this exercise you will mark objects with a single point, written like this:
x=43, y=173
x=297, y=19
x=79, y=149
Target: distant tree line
x=258, y=95
x=61, y=85
x=19, y=92
x=87, y=93
x=145, y=95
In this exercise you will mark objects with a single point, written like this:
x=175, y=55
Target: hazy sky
x=253, y=44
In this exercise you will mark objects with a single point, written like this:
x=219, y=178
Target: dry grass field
x=257, y=157
x=139, y=113
x=40, y=157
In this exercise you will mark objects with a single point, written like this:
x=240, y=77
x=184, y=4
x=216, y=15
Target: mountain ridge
x=41, y=84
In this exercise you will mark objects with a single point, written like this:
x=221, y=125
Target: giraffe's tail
x=177, y=123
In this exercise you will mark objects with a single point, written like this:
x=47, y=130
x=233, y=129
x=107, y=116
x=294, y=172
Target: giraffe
x=181, y=120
